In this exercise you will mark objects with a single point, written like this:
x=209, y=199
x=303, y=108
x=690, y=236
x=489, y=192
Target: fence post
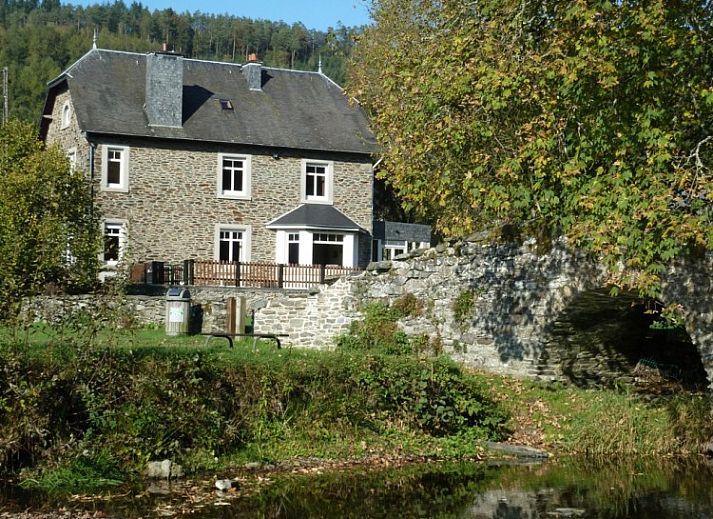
x=280, y=275
x=187, y=272
x=230, y=307
x=321, y=274
x=237, y=273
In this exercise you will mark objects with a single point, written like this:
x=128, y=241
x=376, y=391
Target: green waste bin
x=178, y=311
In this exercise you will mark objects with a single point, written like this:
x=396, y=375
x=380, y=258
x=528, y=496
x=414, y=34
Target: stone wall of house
x=172, y=208
x=493, y=306
x=69, y=137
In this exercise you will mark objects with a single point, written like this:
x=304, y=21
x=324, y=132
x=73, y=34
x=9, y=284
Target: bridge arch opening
x=605, y=341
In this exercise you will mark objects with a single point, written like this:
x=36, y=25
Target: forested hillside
x=39, y=38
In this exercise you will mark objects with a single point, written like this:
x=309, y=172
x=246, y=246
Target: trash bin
x=178, y=311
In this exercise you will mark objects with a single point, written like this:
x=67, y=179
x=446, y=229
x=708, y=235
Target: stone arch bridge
x=513, y=309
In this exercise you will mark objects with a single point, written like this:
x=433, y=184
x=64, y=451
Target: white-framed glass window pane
x=114, y=167
x=327, y=249
x=293, y=248
x=66, y=114
x=72, y=158
x=233, y=170
x=230, y=245
x=316, y=180
x=233, y=176
x=393, y=248
x=327, y=238
x=113, y=238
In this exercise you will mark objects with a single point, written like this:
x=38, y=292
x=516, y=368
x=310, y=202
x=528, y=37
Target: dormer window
x=66, y=114
x=226, y=104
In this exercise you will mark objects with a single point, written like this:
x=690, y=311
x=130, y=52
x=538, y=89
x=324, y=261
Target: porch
x=236, y=274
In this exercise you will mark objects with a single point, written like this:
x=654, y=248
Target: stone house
x=205, y=160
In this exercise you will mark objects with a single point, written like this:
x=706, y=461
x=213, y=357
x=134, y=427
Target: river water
x=642, y=489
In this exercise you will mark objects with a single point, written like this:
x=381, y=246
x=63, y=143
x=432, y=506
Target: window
x=66, y=114
x=115, y=168
x=225, y=104
x=327, y=249
x=232, y=243
x=234, y=176
x=317, y=181
x=114, y=241
x=393, y=248
x=293, y=248
x=72, y=158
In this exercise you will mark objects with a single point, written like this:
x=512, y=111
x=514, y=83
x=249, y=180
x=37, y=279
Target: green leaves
x=586, y=117
x=47, y=231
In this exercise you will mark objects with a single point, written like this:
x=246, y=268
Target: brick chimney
x=164, y=89
x=252, y=71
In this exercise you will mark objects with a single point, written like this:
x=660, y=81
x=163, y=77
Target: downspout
x=92, y=150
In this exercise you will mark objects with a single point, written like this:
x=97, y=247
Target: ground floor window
x=230, y=244
x=389, y=249
x=394, y=248
x=293, y=248
x=327, y=249
x=114, y=242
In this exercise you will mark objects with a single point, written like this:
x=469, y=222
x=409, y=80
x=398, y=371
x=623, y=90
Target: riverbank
x=79, y=416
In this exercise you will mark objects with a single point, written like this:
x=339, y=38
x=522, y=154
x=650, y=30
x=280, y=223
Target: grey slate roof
x=314, y=216
x=398, y=231
x=295, y=109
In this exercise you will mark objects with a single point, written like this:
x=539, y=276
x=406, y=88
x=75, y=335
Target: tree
x=47, y=230
x=583, y=117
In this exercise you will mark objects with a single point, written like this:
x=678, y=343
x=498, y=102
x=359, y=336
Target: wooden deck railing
x=240, y=274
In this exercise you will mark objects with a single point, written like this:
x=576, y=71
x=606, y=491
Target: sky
x=314, y=14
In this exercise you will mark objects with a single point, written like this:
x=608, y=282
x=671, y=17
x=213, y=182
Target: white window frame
x=328, y=197
x=123, y=238
x=72, y=158
x=123, y=184
x=66, y=115
x=243, y=194
x=245, y=249
x=390, y=248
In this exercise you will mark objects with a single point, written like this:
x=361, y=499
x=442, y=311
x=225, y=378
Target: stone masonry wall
x=517, y=290
x=69, y=138
x=172, y=207
x=150, y=307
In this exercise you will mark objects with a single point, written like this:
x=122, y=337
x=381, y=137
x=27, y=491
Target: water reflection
x=572, y=488
x=635, y=490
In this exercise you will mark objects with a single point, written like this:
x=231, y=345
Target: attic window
x=66, y=115
x=226, y=104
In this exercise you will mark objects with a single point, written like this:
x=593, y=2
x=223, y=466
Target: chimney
x=252, y=71
x=164, y=89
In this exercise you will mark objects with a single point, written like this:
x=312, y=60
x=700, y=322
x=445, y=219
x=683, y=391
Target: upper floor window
x=317, y=181
x=66, y=114
x=115, y=168
x=234, y=176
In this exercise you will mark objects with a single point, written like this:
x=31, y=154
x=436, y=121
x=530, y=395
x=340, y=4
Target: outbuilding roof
x=399, y=231
x=293, y=109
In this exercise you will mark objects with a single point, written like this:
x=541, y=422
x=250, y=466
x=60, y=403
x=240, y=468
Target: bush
x=62, y=409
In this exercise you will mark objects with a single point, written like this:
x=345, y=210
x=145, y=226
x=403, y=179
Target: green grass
x=602, y=423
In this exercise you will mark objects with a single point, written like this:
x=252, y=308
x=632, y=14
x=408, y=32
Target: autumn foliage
x=585, y=118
